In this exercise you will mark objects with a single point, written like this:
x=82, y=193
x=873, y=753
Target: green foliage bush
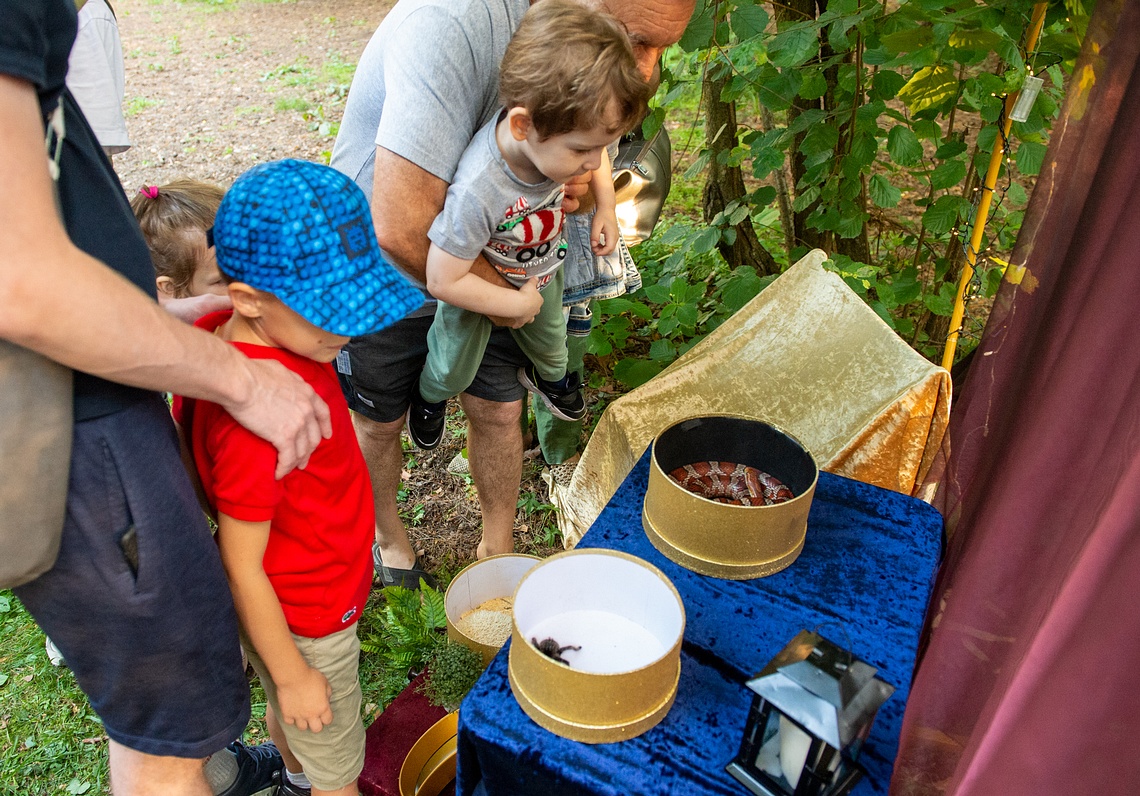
x=689, y=291
x=452, y=671
x=866, y=100
x=408, y=637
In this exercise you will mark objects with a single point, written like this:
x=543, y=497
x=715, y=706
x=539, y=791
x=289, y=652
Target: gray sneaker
x=257, y=767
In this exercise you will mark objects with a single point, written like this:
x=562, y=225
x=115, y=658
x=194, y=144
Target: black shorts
x=378, y=372
x=138, y=601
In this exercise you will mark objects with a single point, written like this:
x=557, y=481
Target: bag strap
x=634, y=146
x=54, y=133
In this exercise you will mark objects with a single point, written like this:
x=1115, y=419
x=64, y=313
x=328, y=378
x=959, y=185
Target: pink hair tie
x=149, y=191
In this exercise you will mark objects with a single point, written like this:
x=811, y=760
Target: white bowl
x=483, y=580
x=627, y=620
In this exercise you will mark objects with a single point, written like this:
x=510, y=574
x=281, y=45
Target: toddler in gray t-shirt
x=569, y=86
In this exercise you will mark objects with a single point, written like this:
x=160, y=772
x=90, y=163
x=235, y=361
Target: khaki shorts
x=333, y=757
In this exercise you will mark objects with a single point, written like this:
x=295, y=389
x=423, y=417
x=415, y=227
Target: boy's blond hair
x=567, y=65
x=167, y=214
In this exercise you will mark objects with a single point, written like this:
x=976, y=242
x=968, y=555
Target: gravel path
x=213, y=88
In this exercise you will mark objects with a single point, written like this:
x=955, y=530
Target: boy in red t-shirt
x=295, y=241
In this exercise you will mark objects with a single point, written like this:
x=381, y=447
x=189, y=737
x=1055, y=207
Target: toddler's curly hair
x=568, y=65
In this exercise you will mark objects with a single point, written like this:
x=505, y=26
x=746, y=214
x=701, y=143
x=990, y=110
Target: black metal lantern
x=814, y=706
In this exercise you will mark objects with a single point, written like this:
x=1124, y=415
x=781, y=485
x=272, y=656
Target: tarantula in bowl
x=551, y=649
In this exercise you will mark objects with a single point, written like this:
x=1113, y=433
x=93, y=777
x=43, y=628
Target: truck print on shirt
x=528, y=242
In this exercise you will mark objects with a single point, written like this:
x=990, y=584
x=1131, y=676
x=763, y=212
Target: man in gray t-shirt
x=426, y=82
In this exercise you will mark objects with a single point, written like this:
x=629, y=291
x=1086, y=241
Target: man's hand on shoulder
x=282, y=409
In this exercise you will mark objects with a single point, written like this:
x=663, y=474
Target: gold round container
x=486, y=579
x=628, y=620
x=430, y=764
x=722, y=539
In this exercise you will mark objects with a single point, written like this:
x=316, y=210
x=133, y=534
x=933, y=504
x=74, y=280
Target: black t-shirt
x=35, y=41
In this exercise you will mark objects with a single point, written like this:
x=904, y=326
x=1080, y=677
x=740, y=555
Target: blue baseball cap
x=303, y=232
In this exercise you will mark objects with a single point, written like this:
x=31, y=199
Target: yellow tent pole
x=982, y=215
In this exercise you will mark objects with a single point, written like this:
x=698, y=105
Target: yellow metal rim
x=719, y=569
x=430, y=763
x=594, y=733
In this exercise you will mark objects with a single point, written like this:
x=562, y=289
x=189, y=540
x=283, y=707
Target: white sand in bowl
x=488, y=623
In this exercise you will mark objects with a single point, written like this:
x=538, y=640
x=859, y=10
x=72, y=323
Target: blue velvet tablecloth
x=863, y=580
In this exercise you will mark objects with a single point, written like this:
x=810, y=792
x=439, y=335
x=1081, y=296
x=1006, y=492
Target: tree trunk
x=725, y=184
x=783, y=191
x=796, y=11
x=937, y=327
x=859, y=247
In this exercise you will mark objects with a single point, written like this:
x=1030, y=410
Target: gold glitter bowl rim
x=430, y=764
x=723, y=540
x=593, y=707
x=479, y=581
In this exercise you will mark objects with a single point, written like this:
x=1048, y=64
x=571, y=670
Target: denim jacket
x=589, y=277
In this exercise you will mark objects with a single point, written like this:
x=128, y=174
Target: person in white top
x=96, y=75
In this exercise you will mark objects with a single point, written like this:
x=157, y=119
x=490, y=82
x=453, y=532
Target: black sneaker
x=563, y=399
x=257, y=767
x=287, y=788
x=426, y=421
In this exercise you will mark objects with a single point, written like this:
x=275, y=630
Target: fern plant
x=410, y=628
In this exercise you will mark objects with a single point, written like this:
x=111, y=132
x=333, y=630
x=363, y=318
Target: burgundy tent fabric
x=1027, y=684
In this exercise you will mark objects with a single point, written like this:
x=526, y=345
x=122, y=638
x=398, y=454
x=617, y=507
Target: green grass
x=336, y=71
x=332, y=76
x=50, y=739
x=213, y=4
x=326, y=86
x=296, y=73
x=292, y=104
x=136, y=105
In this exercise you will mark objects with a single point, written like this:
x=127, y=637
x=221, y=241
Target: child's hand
x=604, y=232
x=574, y=191
x=305, y=702
x=529, y=303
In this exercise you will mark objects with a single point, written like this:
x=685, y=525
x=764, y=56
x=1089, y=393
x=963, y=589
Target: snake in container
x=727, y=482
